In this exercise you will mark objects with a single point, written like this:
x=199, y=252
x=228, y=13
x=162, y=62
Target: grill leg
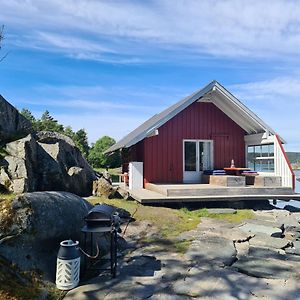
x=115, y=253
x=92, y=242
x=111, y=254
x=84, y=257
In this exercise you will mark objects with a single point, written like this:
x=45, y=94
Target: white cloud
x=88, y=105
x=246, y=29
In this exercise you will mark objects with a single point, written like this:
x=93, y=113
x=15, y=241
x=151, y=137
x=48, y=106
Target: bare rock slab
x=141, y=266
x=262, y=267
x=107, y=289
x=264, y=240
x=218, y=285
x=257, y=229
x=296, y=248
x=209, y=250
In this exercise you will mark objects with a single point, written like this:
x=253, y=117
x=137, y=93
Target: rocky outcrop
x=45, y=161
x=33, y=225
x=12, y=124
x=102, y=187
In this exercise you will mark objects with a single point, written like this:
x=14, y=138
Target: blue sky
x=107, y=66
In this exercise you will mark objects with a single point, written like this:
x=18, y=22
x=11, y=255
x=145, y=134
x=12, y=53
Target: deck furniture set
x=240, y=177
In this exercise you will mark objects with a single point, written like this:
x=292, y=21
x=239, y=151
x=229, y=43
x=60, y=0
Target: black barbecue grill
x=103, y=217
x=100, y=220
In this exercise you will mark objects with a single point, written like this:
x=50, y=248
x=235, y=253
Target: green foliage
x=95, y=155
x=48, y=123
x=28, y=115
x=69, y=132
x=81, y=141
x=294, y=158
x=98, y=159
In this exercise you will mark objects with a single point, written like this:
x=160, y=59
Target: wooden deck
x=172, y=193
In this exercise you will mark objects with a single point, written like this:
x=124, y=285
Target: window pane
x=271, y=165
x=257, y=166
x=267, y=165
x=264, y=165
x=250, y=157
x=251, y=165
x=265, y=150
x=271, y=150
x=257, y=151
x=190, y=156
x=201, y=154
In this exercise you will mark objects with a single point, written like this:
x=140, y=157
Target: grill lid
x=101, y=215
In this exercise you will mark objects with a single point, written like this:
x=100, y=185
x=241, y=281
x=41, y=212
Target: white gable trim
x=213, y=92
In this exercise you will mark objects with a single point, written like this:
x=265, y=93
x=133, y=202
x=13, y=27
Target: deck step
x=214, y=190
x=158, y=194
x=229, y=191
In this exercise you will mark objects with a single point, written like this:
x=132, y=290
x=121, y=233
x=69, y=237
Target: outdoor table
x=235, y=171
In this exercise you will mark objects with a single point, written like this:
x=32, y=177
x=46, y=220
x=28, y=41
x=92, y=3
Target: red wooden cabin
x=204, y=131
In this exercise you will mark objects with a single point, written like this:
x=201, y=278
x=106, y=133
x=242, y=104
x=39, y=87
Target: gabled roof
x=213, y=92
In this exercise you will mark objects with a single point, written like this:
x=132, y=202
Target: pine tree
x=28, y=115
x=81, y=141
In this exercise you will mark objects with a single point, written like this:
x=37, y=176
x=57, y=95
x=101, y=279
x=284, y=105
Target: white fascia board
x=233, y=112
x=243, y=108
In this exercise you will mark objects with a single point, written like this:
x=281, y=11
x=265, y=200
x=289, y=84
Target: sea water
x=281, y=204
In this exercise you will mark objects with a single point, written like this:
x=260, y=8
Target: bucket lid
x=69, y=243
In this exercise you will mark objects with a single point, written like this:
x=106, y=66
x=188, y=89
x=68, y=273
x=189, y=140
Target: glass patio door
x=197, y=157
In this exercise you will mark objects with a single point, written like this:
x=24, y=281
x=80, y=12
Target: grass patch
x=236, y=217
x=169, y=222
x=114, y=171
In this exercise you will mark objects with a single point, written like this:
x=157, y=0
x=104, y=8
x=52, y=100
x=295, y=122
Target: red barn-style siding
x=163, y=154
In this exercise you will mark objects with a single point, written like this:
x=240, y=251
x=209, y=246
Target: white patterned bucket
x=68, y=265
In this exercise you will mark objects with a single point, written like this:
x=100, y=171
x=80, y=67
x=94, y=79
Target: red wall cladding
x=163, y=154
